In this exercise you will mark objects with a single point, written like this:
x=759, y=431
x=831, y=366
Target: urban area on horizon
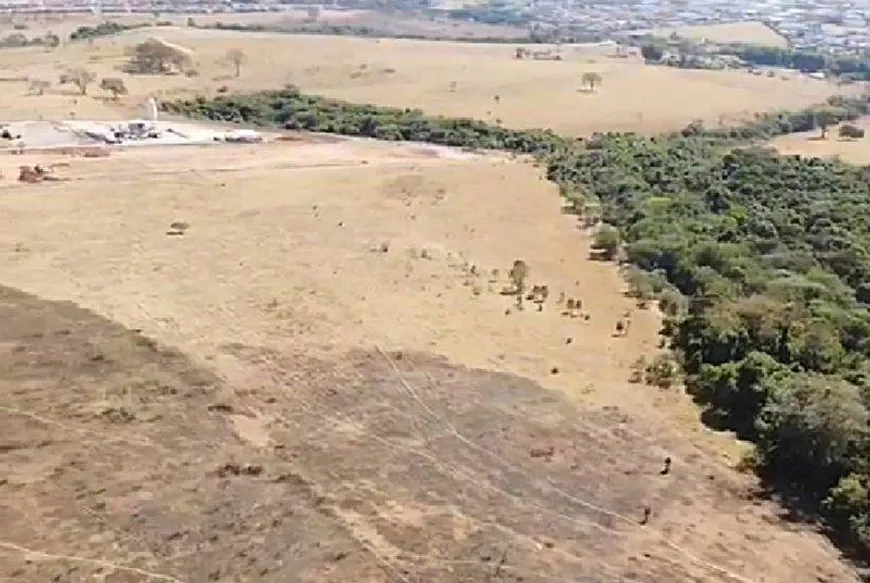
x=828, y=26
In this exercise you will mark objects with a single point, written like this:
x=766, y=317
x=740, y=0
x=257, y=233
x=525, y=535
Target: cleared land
x=751, y=32
x=309, y=434
x=808, y=144
x=456, y=79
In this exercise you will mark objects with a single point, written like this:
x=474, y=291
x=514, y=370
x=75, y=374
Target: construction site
x=50, y=135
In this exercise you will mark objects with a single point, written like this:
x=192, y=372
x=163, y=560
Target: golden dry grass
x=809, y=144
x=752, y=32
x=452, y=79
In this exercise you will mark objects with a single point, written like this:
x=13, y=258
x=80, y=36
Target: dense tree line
x=535, y=36
x=107, y=28
x=760, y=262
x=691, y=55
x=802, y=60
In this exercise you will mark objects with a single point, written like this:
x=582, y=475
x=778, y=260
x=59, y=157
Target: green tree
x=606, y=242
x=80, y=77
x=237, y=58
x=114, y=85
x=651, y=53
x=591, y=80
x=809, y=427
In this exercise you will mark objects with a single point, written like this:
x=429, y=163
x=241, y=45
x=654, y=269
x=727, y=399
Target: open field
x=809, y=144
x=456, y=79
x=309, y=433
x=751, y=32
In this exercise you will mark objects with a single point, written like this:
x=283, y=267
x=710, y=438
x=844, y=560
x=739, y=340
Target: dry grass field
x=809, y=144
x=456, y=79
x=348, y=394
x=751, y=32
x=293, y=361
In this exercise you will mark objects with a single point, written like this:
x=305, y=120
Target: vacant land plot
x=856, y=151
x=456, y=79
x=751, y=32
x=309, y=434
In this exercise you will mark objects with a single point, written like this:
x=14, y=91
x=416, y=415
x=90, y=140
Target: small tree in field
x=591, y=80
x=237, y=58
x=824, y=117
x=518, y=275
x=851, y=131
x=38, y=86
x=113, y=85
x=81, y=78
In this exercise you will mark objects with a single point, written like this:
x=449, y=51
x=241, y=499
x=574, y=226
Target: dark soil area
x=122, y=461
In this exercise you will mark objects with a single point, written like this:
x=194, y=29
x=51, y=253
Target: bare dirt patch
x=855, y=151
x=121, y=459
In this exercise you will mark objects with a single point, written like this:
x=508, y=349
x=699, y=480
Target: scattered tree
x=38, y=86
x=591, y=80
x=237, y=58
x=155, y=57
x=824, y=118
x=81, y=78
x=518, y=275
x=113, y=85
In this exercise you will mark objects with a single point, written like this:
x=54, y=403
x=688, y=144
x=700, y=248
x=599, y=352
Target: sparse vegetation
x=236, y=58
x=80, y=77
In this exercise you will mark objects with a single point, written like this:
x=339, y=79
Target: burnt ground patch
x=121, y=459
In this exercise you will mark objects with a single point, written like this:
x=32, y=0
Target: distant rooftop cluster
x=841, y=27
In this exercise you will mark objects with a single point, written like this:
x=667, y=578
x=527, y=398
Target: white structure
x=151, y=110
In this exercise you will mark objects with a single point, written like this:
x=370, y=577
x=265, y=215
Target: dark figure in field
x=666, y=470
x=646, y=512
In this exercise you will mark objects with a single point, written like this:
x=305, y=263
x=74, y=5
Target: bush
x=661, y=372
x=850, y=131
x=606, y=242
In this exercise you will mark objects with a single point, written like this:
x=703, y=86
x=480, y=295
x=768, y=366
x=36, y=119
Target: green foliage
x=651, y=52
x=760, y=262
x=661, y=372
x=606, y=242
x=851, y=131
x=802, y=60
x=107, y=28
